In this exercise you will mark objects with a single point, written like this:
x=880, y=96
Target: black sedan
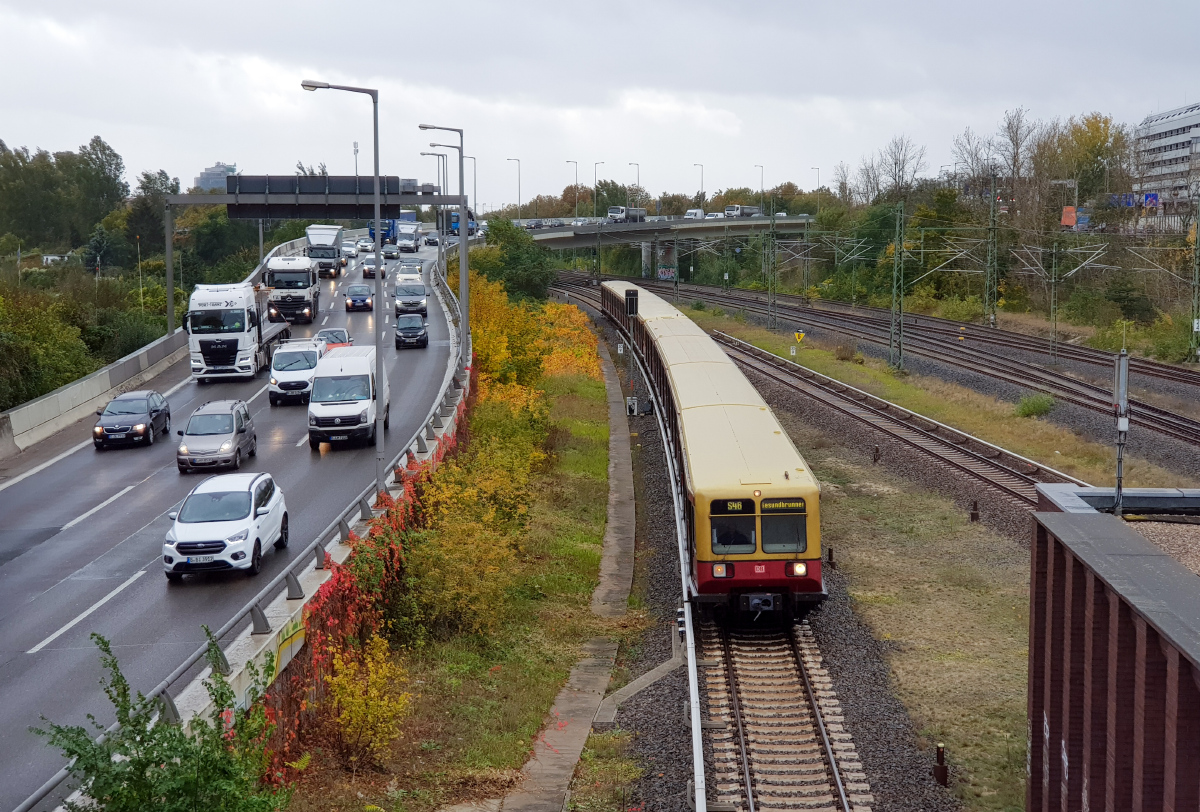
x=358, y=297
x=411, y=332
x=135, y=418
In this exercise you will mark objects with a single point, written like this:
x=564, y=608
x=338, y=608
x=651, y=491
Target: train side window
x=787, y=533
x=733, y=535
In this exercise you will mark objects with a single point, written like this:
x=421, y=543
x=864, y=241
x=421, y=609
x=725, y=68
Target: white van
x=694, y=214
x=345, y=397
x=292, y=369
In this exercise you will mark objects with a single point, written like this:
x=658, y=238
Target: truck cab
x=295, y=289
x=325, y=249
x=228, y=333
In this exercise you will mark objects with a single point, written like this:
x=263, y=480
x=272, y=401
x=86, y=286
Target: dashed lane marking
x=103, y=504
x=85, y=613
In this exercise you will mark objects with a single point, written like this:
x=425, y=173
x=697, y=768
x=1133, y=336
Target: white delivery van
x=292, y=369
x=694, y=214
x=345, y=397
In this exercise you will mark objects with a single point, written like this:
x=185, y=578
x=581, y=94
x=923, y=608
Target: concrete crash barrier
x=40, y=418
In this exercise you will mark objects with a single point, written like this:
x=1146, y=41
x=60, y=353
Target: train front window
x=733, y=535
x=785, y=534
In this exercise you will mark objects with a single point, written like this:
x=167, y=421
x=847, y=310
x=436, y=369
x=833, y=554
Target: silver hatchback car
x=218, y=435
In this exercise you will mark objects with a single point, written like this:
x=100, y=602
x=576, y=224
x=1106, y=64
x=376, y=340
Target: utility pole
x=991, y=275
x=1195, y=339
x=576, y=187
x=355, y=166
x=761, y=183
x=1121, y=407
x=818, y=189
x=896, y=334
x=518, y=160
x=701, y=182
x=595, y=197
x=141, y=288
x=1054, y=306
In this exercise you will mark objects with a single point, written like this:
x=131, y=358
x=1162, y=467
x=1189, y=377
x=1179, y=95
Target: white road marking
x=177, y=387
x=105, y=503
x=85, y=613
x=303, y=440
x=326, y=318
x=256, y=394
x=385, y=318
x=44, y=465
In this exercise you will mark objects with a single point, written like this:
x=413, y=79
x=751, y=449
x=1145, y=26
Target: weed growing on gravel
x=1034, y=405
x=604, y=774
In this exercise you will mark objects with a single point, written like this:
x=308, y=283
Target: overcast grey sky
x=789, y=85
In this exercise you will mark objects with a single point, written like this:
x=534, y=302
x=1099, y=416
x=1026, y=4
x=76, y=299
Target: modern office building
x=1169, y=153
x=214, y=176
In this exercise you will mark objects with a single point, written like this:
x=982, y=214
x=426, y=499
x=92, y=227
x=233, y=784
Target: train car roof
x=731, y=437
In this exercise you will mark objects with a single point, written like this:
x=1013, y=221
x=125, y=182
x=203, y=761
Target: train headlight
x=797, y=569
x=722, y=570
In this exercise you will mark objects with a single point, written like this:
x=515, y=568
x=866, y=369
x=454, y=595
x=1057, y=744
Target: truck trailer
x=229, y=335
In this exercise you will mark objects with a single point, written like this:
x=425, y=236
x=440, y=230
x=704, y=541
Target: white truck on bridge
x=742, y=211
x=295, y=289
x=229, y=335
x=626, y=214
x=325, y=248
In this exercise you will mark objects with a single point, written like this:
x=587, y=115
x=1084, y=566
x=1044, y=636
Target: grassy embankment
x=983, y=416
x=482, y=684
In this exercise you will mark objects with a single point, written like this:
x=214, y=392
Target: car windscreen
x=217, y=321
x=292, y=360
x=408, y=321
x=334, y=336
x=358, y=290
x=370, y=260
x=289, y=280
x=322, y=252
x=333, y=388
x=209, y=424
x=129, y=406
x=410, y=290
x=215, y=507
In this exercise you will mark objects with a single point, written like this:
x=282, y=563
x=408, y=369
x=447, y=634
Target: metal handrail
x=268, y=592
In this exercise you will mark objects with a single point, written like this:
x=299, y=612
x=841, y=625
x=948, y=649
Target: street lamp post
x=761, y=184
x=355, y=159
x=638, y=183
x=474, y=181
x=464, y=233
x=441, y=186
x=818, y=188
x=595, y=184
x=576, y=187
x=518, y=160
x=380, y=478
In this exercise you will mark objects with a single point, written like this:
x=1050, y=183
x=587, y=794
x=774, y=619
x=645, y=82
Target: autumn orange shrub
x=571, y=344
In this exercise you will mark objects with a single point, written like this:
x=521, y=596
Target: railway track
x=1011, y=475
x=777, y=735
x=952, y=352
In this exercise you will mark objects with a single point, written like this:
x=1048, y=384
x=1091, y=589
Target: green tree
x=146, y=210
x=101, y=249
x=149, y=765
x=523, y=266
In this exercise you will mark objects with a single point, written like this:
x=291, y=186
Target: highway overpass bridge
x=671, y=231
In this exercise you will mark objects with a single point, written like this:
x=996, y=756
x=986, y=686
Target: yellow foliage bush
x=571, y=345
x=505, y=337
x=368, y=700
x=492, y=485
x=460, y=574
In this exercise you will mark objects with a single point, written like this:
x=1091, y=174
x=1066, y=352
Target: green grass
x=604, y=774
x=1037, y=405
x=479, y=702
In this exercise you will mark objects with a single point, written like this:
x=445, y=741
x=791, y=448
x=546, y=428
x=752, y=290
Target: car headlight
x=362, y=416
x=274, y=382
x=170, y=539
x=227, y=445
x=140, y=427
x=312, y=420
x=423, y=302
x=98, y=430
x=368, y=301
x=307, y=311
x=183, y=449
x=239, y=536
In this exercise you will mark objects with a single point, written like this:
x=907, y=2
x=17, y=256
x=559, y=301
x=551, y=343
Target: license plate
x=339, y=437
x=116, y=436
x=201, y=559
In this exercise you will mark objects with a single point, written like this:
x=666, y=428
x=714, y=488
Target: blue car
x=358, y=297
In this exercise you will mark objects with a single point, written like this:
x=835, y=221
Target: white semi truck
x=229, y=335
x=408, y=236
x=295, y=289
x=325, y=248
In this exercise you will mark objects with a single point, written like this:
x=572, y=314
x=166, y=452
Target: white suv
x=223, y=524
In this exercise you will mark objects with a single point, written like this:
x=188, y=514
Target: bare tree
x=899, y=164
x=974, y=154
x=841, y=180
x=1012, y=141
x=867, y=181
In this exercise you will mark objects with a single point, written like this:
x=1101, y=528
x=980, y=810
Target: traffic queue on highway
x=227, y=520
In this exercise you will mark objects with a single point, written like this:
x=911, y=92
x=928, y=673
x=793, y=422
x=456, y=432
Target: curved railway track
x=949, y=350
x=778, y=742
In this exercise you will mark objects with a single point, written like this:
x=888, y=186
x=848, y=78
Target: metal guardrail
x=314, y=553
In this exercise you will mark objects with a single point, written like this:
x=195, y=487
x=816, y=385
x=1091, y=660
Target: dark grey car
x=218, y=435
x=132, y=419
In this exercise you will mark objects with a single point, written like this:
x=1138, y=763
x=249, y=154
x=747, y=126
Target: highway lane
x=52, y=574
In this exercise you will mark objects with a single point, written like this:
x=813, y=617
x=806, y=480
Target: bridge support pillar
x=647, y=260
x=667, y=261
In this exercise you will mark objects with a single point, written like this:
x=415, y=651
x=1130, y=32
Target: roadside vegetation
x=983, y=416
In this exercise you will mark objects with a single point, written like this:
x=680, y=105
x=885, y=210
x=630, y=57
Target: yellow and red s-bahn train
x=752, y=503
